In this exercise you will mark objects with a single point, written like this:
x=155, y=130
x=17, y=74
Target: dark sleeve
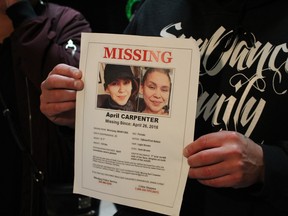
x=39, y=41
x=67, y=134
x=275, y=189
x=20, y=12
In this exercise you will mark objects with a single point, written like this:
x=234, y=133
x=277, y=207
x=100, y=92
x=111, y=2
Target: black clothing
x=243, y=87
x=37, y=44
x=103, y=16
x=105, y=101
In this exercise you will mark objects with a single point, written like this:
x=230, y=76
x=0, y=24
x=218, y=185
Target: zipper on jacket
x=37, y=175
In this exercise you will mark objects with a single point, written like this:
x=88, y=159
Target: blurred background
x=104, y=17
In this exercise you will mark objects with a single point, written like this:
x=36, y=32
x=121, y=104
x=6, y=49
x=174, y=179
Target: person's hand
x=225, y=159
x=58, y=97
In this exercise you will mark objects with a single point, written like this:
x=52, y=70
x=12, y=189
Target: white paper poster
x=131, y=153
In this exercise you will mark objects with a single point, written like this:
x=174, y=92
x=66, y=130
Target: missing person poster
x=133, y=119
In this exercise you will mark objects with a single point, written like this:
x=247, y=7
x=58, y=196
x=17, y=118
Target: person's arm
x=275, y=187
x=40, y=39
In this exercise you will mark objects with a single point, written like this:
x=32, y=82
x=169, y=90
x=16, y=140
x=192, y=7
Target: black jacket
x=26, y=57
x=243, y=87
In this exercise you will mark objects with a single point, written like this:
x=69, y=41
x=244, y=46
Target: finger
x=206, y=157
x=63, y=76
x=58, y=96
x=221, y=182
x=54, y=109
x=203, y=142
x=209, y=141
x=58, y=100
x=217, y=175
x=56, y=81
x=207, y=172
x=67, y=70
x=215, y=170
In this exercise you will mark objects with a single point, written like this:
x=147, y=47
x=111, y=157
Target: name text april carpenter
x=133, y=117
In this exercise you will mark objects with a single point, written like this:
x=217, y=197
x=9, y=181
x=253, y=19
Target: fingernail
x=77, y=84
x=75, y=70
x=185, y=153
